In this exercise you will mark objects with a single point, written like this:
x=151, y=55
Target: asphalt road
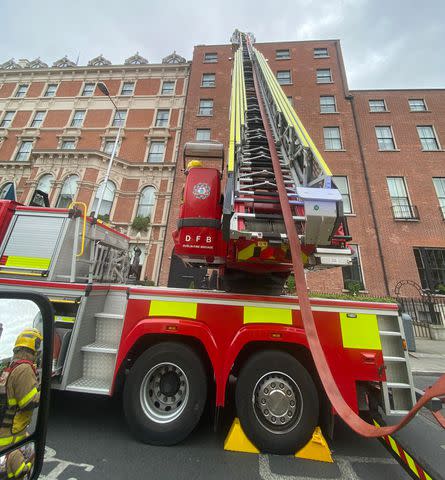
x=88, y=439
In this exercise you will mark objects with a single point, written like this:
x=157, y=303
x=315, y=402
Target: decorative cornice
x=174, y=58
x=99, y=61
x=64, y=63
x=136, y=60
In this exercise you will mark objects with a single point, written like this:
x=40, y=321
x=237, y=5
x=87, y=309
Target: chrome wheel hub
x=164, y=392
x=277, y=402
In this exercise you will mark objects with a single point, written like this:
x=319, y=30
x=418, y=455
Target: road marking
x=344, y=464
x=61, y=465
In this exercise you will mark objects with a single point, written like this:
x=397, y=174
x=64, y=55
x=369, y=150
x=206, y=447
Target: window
x=24, y=151
x=343, y=187
x=203, y=134
x=352, y=274
x=210, y=57
x=146, y=203
x=162, y=118
x=156, y=152
x=321, y=53
x=5, y=191
x=332, y=138
x=208, y=80
x=108, y=147
x=88, y=89
x=168, y=87
x=68, y=145
x=439, y=185
x=45, y=183
x=327, y=104
x=68, y=192
x=38, y=119
x=119, y=118
x=324, y=75
x=283, y=77
x=431, y=266
x=377, y=106
x=385, y=138
x=78, y=117
x=50, y=90
x=7, y=119
x=428, y=138
x=401, y=205
x=107, y=200
x=417, y=105
x=290, y=99
x=205, y=107
x=282, y=54
x=127, y=88
x=21, y=91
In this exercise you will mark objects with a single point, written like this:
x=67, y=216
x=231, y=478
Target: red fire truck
x=296, y=361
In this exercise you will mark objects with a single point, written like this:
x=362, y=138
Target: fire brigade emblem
x=201, y=191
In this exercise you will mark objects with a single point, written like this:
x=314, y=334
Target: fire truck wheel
x=276, y=402
x=165, y=394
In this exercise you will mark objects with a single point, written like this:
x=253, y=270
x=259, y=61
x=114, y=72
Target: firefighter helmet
x=193, y=164
x=30, y=338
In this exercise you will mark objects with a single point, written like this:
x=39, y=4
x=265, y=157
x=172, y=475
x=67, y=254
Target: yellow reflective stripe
x=4, y=441
x=29, y=465
x=268, y=315
x=19, y=470
x=411, y=463
x=12, y=402
x=360, y=331
x=23, y=401
x=393, y=445
x=28, y=262
x=62, y=318
x=160, y=308
x=10, y=475
x=19, y=272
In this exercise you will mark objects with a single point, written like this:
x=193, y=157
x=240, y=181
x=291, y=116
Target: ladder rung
x=387, y=333
x=394, y=359
x=398, y=385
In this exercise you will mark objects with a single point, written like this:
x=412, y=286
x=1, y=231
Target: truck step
x=90, y=385
x=389, y=358
x=100, y=347
x=113, y=316
x=386, y=333
x=398, y=385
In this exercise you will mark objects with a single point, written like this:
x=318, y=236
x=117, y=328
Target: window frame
x=162, y=122
x=208, y=84
x=173, y=89
x=284, y=71
x=409, y=205
x=10, y=120
x=278, y=57
x=133, y=83
x=200, y=114
x=440, y=196
x=34, y=119
x=335, y=104
x=361, y=275
x=110, y=141
x=2, y=188
x=321, y=56
x=203, y=130
x=156, y=142
x=82, y=93
x=319, y=78
x=73, y=119
x=19, y=85
x=206, y=60
x=115, y=121
x=59, y=197
x=425, y=274
x=425, y=109
x=48, y=85
x=96, y=197
x=151, y=205
x=51, y=182
x=68, y=140
x=436, y=139
x=348, y=194
x=340, y=138
x=385, y=106
x=19, y=152
x=394, y=148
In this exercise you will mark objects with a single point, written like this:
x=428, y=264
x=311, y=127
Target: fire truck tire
x=276, y=402
x=165, y=393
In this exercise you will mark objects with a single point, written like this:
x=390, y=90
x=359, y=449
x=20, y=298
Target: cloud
x=386, y=44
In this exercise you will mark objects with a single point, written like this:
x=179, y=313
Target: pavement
x=429, y=357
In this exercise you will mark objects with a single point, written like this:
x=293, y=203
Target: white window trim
x=342, y=149
x=359, y=255
x=395, y=149
x=352, y=213
x=147, y=153
x=283, y=50
x=200, y=128
x=83, y=88
x=122, y=86
x=210, y=61
x=46, y=88
x=323, y=56
x=324, y=83
x=113, y=113
x=335, y=105
x=290, y=77
x=408, y=196
x=418, y=111
x=136, y=203
x=439, y=146
x=31, y=121
x=19, y=144
x=107, y=139
x=174, y=88
x=17, y=89
x=12, y=119
x=214, y=81
x=199, y=107
x=155, y=118
x=72, y=118
x=378, y=100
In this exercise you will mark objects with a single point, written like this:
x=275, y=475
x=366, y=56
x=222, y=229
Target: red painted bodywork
x=7, y=209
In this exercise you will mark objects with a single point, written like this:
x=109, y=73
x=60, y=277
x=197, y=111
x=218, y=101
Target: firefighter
x=16, y=465
x=19, y=388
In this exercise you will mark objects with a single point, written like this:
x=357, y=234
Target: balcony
x=405, y=213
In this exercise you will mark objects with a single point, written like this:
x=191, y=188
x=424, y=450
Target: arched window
x=68, y=191
x=146, y=202
x=45, y=183
x=107, y=201
x=4, y=190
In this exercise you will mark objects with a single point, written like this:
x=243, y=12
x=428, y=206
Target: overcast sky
x=386, y=44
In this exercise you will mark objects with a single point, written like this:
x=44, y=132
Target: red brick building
x=382, y=146
x=57, y=131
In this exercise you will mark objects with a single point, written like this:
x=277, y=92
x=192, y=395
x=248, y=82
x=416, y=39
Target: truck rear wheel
x=165, y=394
x=276, y=402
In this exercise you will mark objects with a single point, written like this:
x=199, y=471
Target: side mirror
x=26, y=342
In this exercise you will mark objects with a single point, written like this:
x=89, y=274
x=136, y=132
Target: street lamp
x=103, y=88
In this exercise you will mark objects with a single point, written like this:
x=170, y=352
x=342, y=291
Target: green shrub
x=140, y=224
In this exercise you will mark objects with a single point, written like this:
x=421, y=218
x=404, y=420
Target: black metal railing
x=405, y=212
x=424, y=311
